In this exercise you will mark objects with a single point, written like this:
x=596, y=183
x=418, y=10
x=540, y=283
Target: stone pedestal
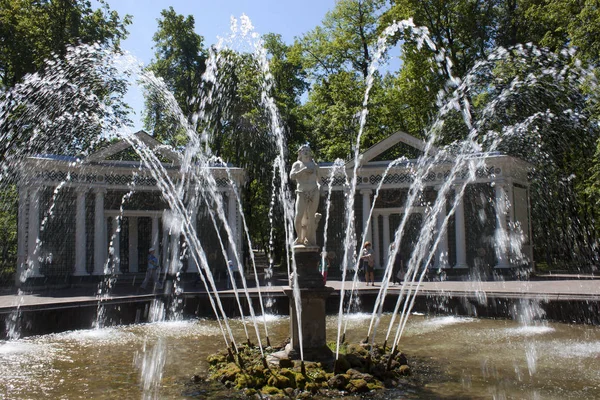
x=313, y=296
x=314, y=338
x=307, y=265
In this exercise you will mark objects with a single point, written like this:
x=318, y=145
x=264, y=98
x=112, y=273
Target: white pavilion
x=495, y=204
x=69, y=210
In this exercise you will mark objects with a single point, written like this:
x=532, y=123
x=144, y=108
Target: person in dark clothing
x=368, y=260
x=398, y=267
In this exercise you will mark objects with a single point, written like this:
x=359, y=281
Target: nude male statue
x=306, y=174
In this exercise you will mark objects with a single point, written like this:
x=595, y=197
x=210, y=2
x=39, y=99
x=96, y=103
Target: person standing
x=398, y=269
x=233, y=271
x=368, y=260
x=152, y=270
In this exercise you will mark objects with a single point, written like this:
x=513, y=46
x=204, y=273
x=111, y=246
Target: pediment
x=122, y=150
x=379, y=150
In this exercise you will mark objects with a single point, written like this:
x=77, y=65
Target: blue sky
x=286, y=17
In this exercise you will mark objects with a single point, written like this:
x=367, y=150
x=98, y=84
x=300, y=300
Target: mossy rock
x=338, y=382
x=244, y=380
x=375, y=385
x=317, y=375
x=355, y=374
x=280, y=381
x=355, y=361
x=257, y=371
x=313, y=387
x=357, y=349
x=404, y=370
x=401, y=358
x=286, y=363
x=341, y=365
x=380, y=371
x=300, y=381
x=294, y=377
x=312, y=365
x=228, y=373
x=357, y=386
x=216, y=359
x=358, y=371
x=271, y=390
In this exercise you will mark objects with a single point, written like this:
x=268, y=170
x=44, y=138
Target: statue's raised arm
x=306, y=174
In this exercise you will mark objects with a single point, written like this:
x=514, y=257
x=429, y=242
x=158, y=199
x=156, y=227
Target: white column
x=155, y=243
x=510, y=209
x=116, y=244
x=529, y=229
x=376, y=248
x=386, y=237
x=461, y=238
x=133, y=244
x=33, y=249
x=193, y=222
x=165, y=240
x=442, y=248
x=175, y=263
x=21, y=236
x=366, y=209
x=510, y=201
x=501, y=239
x=158, y=249
x=80, y=238
x=100, y=247
x=232, y=221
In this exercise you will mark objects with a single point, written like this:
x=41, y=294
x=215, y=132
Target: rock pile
x=359, y=368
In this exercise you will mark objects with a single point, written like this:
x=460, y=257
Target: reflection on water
x=455, y=357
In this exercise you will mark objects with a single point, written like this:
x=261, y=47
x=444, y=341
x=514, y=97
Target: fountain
x=190, y=178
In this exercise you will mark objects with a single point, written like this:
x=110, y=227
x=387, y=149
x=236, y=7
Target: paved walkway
x=557, y=289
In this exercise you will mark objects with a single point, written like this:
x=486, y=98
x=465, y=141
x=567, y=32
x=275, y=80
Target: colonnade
x=29, y=245
x=504, y=217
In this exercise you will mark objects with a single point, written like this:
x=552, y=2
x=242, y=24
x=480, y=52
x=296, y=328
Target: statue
x=306, y=174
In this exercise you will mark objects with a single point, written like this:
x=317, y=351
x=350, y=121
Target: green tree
x=464, y=29
x=180, y=60
x=337, y=56
x=32, y=31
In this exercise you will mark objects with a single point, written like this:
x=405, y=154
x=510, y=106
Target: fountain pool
x=453, y=357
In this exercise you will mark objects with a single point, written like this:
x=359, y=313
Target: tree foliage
x=60, y=86
x=337, y=56
x=179, y=60
x=32, y=31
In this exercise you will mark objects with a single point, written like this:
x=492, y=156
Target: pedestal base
x=314, y=339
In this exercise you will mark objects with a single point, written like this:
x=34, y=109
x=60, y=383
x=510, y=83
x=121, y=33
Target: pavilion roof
x=382, y=146
x=154, y=145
